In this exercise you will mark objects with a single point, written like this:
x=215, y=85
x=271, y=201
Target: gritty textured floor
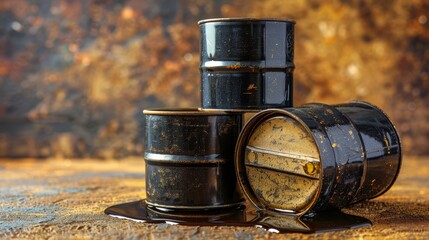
x=63, y=199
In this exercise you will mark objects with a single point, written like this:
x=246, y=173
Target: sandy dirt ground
x=65, y=199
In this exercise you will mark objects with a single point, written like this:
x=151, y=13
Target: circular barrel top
x=246, y=20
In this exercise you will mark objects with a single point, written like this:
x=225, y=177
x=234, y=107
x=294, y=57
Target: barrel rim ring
x=185, y=112
x=201, y=207
x=246, y=19
x=218, y=212
x=232, y=110
x=245, y=134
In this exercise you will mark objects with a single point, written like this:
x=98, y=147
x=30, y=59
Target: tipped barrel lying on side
x=304, y=159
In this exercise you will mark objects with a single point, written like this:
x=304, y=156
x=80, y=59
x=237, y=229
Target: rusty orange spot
x=73, y=47
x=5, y=67
x=387, y=144
x=236, y=66
x=251, y=86
x=83, y=59
x=4, y=70
x=172, y=66
x=127, y=13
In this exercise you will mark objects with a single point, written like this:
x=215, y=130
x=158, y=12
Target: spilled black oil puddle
x=333, y=220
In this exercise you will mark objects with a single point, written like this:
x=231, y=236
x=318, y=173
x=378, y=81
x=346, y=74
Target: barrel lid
x=278, y=163
x=244, y=19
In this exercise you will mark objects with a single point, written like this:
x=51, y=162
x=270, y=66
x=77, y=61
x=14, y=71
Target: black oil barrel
x=304, y=159
x=382, y=147
x=246, y=64
x=189, y=156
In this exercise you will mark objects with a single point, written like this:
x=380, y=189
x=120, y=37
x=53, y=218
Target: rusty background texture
x=76, y=74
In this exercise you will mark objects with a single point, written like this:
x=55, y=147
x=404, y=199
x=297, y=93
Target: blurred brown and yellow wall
x=76, y=74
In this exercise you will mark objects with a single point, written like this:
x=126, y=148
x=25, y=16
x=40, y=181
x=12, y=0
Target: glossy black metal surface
x=189, y=158
x=382, y=147
x=348, y=152
x=358, y=146
x=246, y=64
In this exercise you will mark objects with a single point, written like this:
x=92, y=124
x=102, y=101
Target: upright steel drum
x=189, y=158
x=246, y=64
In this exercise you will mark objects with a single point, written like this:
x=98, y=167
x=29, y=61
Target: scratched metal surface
x=66, y=199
